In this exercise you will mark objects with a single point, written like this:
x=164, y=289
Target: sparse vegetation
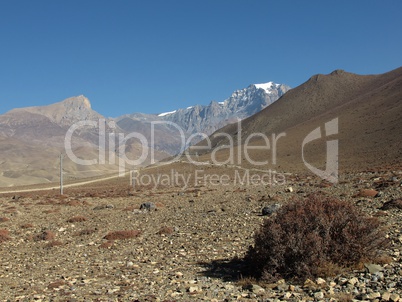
x=165, y=230
x=4, y=235
x=85, y=232
x=27, y=226
x=315, y=236
x=77, y=219
x=45, y=235
x=54, y=243
x=122, y=235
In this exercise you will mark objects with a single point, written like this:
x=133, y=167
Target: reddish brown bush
x=73, y=203
x=4, y=219
x=54, y=243
x=77, y=219
x=122, y=235
x=308, y=237
x=51, y=211
x=27, y=226
x=165, y=230
x=85, y=232
x=4, y=235
x=45, y=235
x=56, y=284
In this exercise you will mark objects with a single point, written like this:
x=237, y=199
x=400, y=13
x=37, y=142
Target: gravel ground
x=54, y=247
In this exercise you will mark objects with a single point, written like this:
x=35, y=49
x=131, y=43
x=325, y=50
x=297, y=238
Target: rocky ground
x=181, y=245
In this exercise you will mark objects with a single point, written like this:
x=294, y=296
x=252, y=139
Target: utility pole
x=61, y=173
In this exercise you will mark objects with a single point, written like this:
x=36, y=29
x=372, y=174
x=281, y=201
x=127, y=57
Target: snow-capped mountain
x=207, y=119
x=32, y=138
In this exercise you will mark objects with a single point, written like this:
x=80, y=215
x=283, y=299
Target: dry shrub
x=106, y=245
x=4, y=235
x=54, y=243
x=56, y=284
x=73, y=203
x=85, y=232
x=122, y=235
x=311, y=237
x=51, y=211
x=77, y=219
x=27, y=226
x=165, y=230
x=392, y=204
x=45, y=235
x=4, y=219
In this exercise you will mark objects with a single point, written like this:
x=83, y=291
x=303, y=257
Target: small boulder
x=373, y=268
x=148, y=206
x=256, y=289
x=271, y=209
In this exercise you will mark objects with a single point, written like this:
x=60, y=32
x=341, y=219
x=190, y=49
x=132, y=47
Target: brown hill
x=32, y=139
x=366, y=108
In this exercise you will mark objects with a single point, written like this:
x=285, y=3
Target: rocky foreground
x=112, y=243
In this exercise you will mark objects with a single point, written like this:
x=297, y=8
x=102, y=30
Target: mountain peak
x=78, y=102
x=266, y=86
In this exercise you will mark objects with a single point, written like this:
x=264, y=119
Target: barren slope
x=368, y=109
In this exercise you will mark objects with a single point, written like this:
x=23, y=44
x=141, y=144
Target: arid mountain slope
x=368, y=110
x=34, y=137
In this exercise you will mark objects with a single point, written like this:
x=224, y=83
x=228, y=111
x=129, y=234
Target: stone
x=386, y=296
x=374, y=295
x=271, y=209
x=281, y=285
x=229, y=286
x=394, y=297
x=289, y=190
x=319, y=295
x=321, y=282
x=292, y=288
x=256, y=289
x=147, y=206
x=193, y=289
x=353, y=281
x=309, y=284
x=373, y=268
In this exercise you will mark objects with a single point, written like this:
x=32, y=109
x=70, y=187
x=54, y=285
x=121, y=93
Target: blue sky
x=154, y=56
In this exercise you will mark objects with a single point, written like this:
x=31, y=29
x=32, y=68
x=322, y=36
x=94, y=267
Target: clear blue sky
x=153, y=56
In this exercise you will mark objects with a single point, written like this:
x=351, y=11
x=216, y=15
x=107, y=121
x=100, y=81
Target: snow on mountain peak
x=167, y=113
x=267, y=86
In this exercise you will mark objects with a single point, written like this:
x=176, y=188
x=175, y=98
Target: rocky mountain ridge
x=209, y=118
x=33, y=137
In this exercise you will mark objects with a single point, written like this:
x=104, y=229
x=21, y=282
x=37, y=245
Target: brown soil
x=184, y=250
